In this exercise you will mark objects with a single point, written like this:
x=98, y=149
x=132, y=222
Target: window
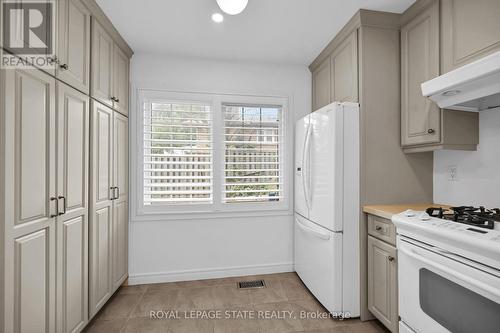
x=252, y=163
x=177, y=152
x=201, y=153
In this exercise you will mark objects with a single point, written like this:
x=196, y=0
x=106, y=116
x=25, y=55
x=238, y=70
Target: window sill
x=158, y=217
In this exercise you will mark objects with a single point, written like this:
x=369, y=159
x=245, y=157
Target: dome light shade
x=232, y=7
x=218, y=18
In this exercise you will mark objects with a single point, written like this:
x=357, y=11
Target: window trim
x=217, y=209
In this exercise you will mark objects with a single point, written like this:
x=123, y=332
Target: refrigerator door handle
x=318, y=234
x=305, y=167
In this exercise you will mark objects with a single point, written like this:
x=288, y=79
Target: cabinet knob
x=63, y=67
x=431, y=131
x=390, y=258
x=378, y=228
x=115, y=99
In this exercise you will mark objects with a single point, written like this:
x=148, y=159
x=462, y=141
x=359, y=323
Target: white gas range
x=449, y=272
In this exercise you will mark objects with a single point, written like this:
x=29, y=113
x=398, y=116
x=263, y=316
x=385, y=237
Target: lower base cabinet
x=382, y=282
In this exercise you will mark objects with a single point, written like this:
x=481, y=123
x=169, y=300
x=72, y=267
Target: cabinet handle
x=378, y=228
x=115, y=99
x=390, y=258
x=63, y=67
x=55, y=60
x=431, y=131
x=64, y=204
x=117, y=192
x=112, y=189
x=57, y=206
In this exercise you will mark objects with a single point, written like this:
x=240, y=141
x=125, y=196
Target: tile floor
x=284, y=295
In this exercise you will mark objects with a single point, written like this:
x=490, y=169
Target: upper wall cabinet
x=110, y=68
x=424, y=126
x=420, y=118
x=321, y=85
x=470, y=30
x=74, y=44
x=335, y=79
x=344, y=69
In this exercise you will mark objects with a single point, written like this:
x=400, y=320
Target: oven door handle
x=478, y=284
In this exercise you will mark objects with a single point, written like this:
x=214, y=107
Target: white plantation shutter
x=253, y=168
x=177, y=153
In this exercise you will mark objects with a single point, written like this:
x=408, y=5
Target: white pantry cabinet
x=110, y=70
x=46, y=170
x=109, y=204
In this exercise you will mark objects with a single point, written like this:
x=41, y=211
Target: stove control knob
x=409, y=213
x=424, y=217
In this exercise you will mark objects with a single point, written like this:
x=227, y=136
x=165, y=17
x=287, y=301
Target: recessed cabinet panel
x=102, y=64
x=345, y=71
x=470, y=30
x=74, y=44
x=33, y=282
x=382, y=282
x=321, y=80
x=101, y=258
x=421, y=118
x=120, y=81
x=103, y=141
x=73, y=283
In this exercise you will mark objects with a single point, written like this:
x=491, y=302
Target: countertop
x=387, y=211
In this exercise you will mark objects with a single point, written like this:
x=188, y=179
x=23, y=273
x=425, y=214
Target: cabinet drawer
x=382, y=229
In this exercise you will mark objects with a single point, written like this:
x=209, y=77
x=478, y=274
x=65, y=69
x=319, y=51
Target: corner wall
x=173, y=250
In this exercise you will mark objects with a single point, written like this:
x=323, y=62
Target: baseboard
x=190, y=275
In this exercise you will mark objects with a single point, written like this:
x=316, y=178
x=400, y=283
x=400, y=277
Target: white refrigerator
x=327, y=206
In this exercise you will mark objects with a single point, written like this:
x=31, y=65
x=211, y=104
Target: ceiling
x=273, y=31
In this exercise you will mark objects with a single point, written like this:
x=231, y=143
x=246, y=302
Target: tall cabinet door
x=120, y=201
x=102, y=64
x=101, y=205
x=74, y=44
x=420, y=117
x=30, y=206
x=120, y=80
x=72, y=222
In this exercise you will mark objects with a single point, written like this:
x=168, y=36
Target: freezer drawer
x=318, y=262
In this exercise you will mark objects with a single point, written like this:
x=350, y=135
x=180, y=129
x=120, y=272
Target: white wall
x=478, y=172
x=173, y=250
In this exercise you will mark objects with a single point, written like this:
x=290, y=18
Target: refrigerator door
x=318, y=262
x=302, y=134
x=326, y=167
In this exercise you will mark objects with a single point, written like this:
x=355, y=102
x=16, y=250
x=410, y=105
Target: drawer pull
x=390, y=258
x=378, y=228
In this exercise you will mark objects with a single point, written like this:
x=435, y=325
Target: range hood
x=473, y=87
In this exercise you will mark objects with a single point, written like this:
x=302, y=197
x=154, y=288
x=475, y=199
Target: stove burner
x=478, y=217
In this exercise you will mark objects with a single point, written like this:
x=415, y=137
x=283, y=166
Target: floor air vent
x=251, y=284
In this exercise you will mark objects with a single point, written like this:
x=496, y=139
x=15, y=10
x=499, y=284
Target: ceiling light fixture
x=232, y=7
x=218, y=18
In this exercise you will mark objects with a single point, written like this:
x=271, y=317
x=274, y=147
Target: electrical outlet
x=452, y=173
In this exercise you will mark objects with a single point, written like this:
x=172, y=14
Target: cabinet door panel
x=34, y=282
x=120, y=80
x=101, y=206
x=382, y=282
x=120, y=204
x=471, y=30
x=74, y=44
x=73, y=279
x=72, y=236
x=420, y=118
x=345, y=71
x=102, y=64
x=30, y=181
x=321, y=85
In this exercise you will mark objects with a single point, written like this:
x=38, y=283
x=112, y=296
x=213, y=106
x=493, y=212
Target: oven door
x=441, y=292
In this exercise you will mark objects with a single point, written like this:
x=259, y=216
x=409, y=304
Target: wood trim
x=421, y=149
x=98, y=13
x=363, y=17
